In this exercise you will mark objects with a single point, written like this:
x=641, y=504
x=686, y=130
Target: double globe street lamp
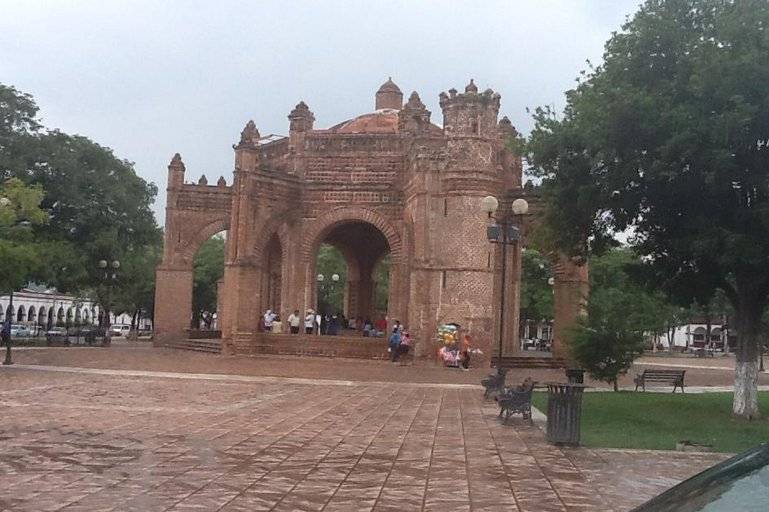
x=503, y=230
x=326, y=292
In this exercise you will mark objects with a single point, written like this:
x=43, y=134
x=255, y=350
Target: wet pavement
x=104, y=440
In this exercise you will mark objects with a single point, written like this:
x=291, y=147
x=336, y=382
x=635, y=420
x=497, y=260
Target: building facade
x=48, y=308
x=385, y=182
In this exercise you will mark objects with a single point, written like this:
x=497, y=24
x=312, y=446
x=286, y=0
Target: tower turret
x=247, y=150
x=471, y=113
x=414, y=117
x=301, y=119
x=176, y=173
x=389, y=95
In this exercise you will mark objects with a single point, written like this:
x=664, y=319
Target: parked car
x=35, y=330
x=119, y=330
x=20, y=331
x=57, y=335
x=737, y=484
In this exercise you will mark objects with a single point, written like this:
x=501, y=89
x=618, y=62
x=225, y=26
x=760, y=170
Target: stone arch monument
x=389, y=181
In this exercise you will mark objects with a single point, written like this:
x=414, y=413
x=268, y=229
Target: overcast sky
x=151, y=78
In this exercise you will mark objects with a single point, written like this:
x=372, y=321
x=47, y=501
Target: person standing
x=403, y=348
x=294, y=321
x=381, y=326
x=465, y=353
x=269, y=317
x=309, y=322
x=394, y=344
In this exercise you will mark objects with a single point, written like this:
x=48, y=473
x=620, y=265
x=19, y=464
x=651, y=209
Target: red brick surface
x=112, y=442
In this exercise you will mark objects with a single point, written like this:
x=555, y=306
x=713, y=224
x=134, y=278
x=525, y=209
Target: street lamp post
x=109, y=277
x=503, y=231
x=7, y=328
x=331, y=288
x=5, y=203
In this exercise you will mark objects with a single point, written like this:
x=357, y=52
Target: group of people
x=323, y=324
x=399, y=342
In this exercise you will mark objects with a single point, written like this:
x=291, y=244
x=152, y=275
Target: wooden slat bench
x=674, y=377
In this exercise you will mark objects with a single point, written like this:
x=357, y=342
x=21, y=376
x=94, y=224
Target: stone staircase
x=546, y=363
x=211, y=346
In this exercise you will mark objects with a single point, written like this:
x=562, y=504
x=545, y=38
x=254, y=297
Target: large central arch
x=340, y=227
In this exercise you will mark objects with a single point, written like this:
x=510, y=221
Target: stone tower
x=389, y=95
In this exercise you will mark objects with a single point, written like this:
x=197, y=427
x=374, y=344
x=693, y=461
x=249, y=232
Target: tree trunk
x=745, y=404
x=616, y=385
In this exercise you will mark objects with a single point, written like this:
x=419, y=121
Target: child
x=403, y=348
x=465, y=354
x=395, y=343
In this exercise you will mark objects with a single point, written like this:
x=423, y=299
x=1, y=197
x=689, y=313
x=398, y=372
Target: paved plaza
x=77, y=439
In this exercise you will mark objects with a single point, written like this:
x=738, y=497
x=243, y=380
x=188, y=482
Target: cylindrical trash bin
x=564, y=412
x=575, y=375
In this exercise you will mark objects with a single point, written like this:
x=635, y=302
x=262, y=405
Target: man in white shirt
x=309, y=322
x=294, y=321
x=269, y=317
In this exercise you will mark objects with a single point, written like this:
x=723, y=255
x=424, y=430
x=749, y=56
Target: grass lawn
x=657, y=421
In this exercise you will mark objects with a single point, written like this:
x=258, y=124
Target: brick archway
x=322, y=225
x=190, y=248
x=393, y=179
x=359, y=290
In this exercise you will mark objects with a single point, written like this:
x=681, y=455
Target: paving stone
x=110, y=442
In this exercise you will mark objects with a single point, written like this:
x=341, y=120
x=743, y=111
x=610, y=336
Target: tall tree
x=20, y=253
x=536, y=292
x=670, y=137
x=208, y=269
x=99, y=208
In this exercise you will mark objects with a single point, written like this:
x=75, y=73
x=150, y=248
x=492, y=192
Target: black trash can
x=564, y=413
x=575, y=375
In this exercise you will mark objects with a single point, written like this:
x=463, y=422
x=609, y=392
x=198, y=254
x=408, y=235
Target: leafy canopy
x=20, y=253
x=98, y=207
x=207, y=270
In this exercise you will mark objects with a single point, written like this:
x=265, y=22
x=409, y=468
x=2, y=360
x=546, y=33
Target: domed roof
x=380, y=121
x=384, y=120
x=389, y=86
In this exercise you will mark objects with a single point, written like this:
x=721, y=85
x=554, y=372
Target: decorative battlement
x=487, y=99
x=470, y=113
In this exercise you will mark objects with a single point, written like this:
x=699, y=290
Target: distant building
x=695, y=335
x=46, y=307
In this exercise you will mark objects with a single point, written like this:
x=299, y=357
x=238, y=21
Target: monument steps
x=212, y=346
x=531, y=362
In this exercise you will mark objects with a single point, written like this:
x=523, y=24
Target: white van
x=120, y=330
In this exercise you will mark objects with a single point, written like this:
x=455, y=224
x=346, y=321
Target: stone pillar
x=351, y=302
x=219, y=303
x=571, y=290
x=242, y=299
x=173, y=304
x=511, y=336
x=366, y=297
